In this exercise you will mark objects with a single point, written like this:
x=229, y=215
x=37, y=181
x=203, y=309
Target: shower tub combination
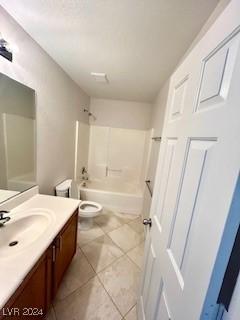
x=113, y=194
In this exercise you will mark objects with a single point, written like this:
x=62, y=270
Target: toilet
x=87, y=209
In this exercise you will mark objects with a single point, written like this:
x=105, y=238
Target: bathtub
x=113, y=194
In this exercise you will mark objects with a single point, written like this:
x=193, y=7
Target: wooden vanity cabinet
x=64, y=249
x=35, y=294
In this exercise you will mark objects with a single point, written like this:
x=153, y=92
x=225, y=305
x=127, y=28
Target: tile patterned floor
x=103, y=279
x=132, y=314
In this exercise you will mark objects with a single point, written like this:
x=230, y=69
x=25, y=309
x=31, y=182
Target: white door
x=196, y=176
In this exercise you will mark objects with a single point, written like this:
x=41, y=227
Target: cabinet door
x=65, y=246
x=31, y=299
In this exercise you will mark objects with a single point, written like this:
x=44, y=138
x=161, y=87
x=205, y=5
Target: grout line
x=106, y=232
x=135, y=246
x=90, y=240
x=123, y=315
x=95, y=273
x=107, y=235
x=60, y=301
x=130, y=310
x=125, y=253
x=89, y=262
x=54, y=313
x=110, y=297
x=134, y=263
x=82, y=285
x=130, y=220
x=110, y=264
x=117, y=258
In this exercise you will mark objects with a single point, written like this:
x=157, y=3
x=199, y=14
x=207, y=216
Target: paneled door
x=197, y=172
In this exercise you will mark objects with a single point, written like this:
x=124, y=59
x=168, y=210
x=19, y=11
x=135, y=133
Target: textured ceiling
x=137, y=43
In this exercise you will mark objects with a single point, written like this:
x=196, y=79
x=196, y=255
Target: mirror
x=17, y=138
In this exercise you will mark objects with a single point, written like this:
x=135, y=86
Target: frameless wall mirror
x=17, y=138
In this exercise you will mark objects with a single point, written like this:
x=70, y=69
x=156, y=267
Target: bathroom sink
x=23, y=230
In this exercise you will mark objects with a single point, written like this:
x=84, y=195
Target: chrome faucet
x=3, y=219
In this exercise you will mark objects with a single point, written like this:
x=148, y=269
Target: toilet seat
x=89, y=209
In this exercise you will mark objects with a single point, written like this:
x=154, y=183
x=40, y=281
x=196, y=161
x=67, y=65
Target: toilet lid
x=89, y=208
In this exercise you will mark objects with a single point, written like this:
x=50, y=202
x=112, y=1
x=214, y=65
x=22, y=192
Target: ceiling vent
x=100, y=77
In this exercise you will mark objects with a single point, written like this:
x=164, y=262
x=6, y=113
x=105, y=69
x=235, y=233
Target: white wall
x=121, y=114
x=215, y=14
x=59, y=103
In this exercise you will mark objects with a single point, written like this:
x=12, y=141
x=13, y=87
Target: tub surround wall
x=98, y=155
x=81, y=148
x=59, y=103
x=117, y=153
x=119, y=149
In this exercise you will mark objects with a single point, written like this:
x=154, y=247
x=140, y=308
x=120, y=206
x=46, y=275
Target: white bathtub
x=113, y=194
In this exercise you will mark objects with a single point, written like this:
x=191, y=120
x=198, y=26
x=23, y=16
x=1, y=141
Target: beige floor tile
x=101, y=252
x=90, y=302
x=126, y=238
x=50, y=315
x=109, y=220
x=132, y=314
x=136, y=255
x=85, y=236
x=78, y=273
x=121, y=280
x=137, y=225
x=126, y=217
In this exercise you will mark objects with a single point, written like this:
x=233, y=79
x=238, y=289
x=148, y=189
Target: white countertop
x=13, y=269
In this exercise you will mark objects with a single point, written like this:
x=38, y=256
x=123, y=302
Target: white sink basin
x=23, y=229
